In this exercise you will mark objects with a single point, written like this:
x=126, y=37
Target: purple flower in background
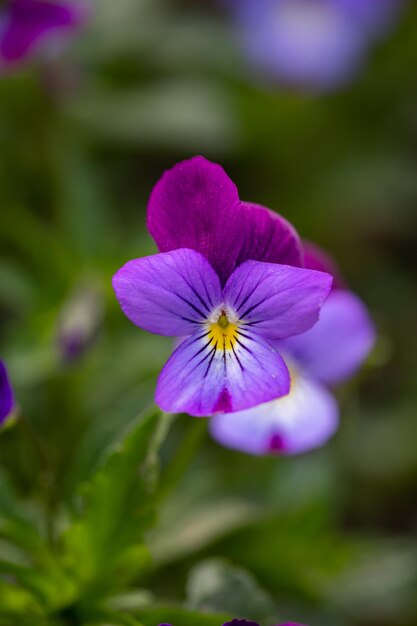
x=226, y=282
x=7, y=402
x=327, y=354
x=79, y=322
x=317, y=44
x=25, y=24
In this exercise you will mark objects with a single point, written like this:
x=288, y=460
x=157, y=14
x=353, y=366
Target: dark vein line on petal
x=173, y=293
x=208, y=295
x=195, y=292
x=211, y=360
x=243, y=346
x=200, y=351
x=196, y=309
x=246, y=298
x=198, y=338
x=203, y=359
x=242, y=334
x=237, y=358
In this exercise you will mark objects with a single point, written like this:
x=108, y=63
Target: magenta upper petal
x=169, y=293
x=196, y=205
x=315, y=258
x=304, y=419
x=276, y=301
x=338, y=344
x=269, y=237
x=201, y=378
x=7, y=401
x=28, y=21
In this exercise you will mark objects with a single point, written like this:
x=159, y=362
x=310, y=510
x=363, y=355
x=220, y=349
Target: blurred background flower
x=7, y=401
x=314, y=44
x=79, y=321
x=27, y=25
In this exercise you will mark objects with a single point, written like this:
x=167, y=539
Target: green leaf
x=105, y=541
x=16, y=602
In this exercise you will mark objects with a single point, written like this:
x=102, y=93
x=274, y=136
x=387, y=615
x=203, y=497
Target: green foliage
x=116, y=509
x=101, y=546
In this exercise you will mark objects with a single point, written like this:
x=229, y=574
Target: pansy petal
x=203, y=377
x=374, y=17
x=276, y=301
x=339, y=343
x=29, y=21
x=196, y=205
x=300, y=421
x=315, y=258
x=269, y=237
x=6, y=394
x=169, y=293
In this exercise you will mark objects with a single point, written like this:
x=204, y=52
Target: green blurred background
x=328, y=538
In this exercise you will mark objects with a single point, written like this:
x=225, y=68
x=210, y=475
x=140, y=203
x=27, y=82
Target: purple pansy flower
x=317, y=44
x=24, y=24
x=328, y=353
x=226, y=282
x=7, y=402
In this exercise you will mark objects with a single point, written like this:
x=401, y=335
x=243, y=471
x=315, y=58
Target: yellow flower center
x=223, y=334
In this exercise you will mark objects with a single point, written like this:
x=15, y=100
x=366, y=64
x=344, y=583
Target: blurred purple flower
x=225, y=280
x=327, y=354
x=7, y=402
x=25, y=24
x=316, y=44
x=79, y=322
